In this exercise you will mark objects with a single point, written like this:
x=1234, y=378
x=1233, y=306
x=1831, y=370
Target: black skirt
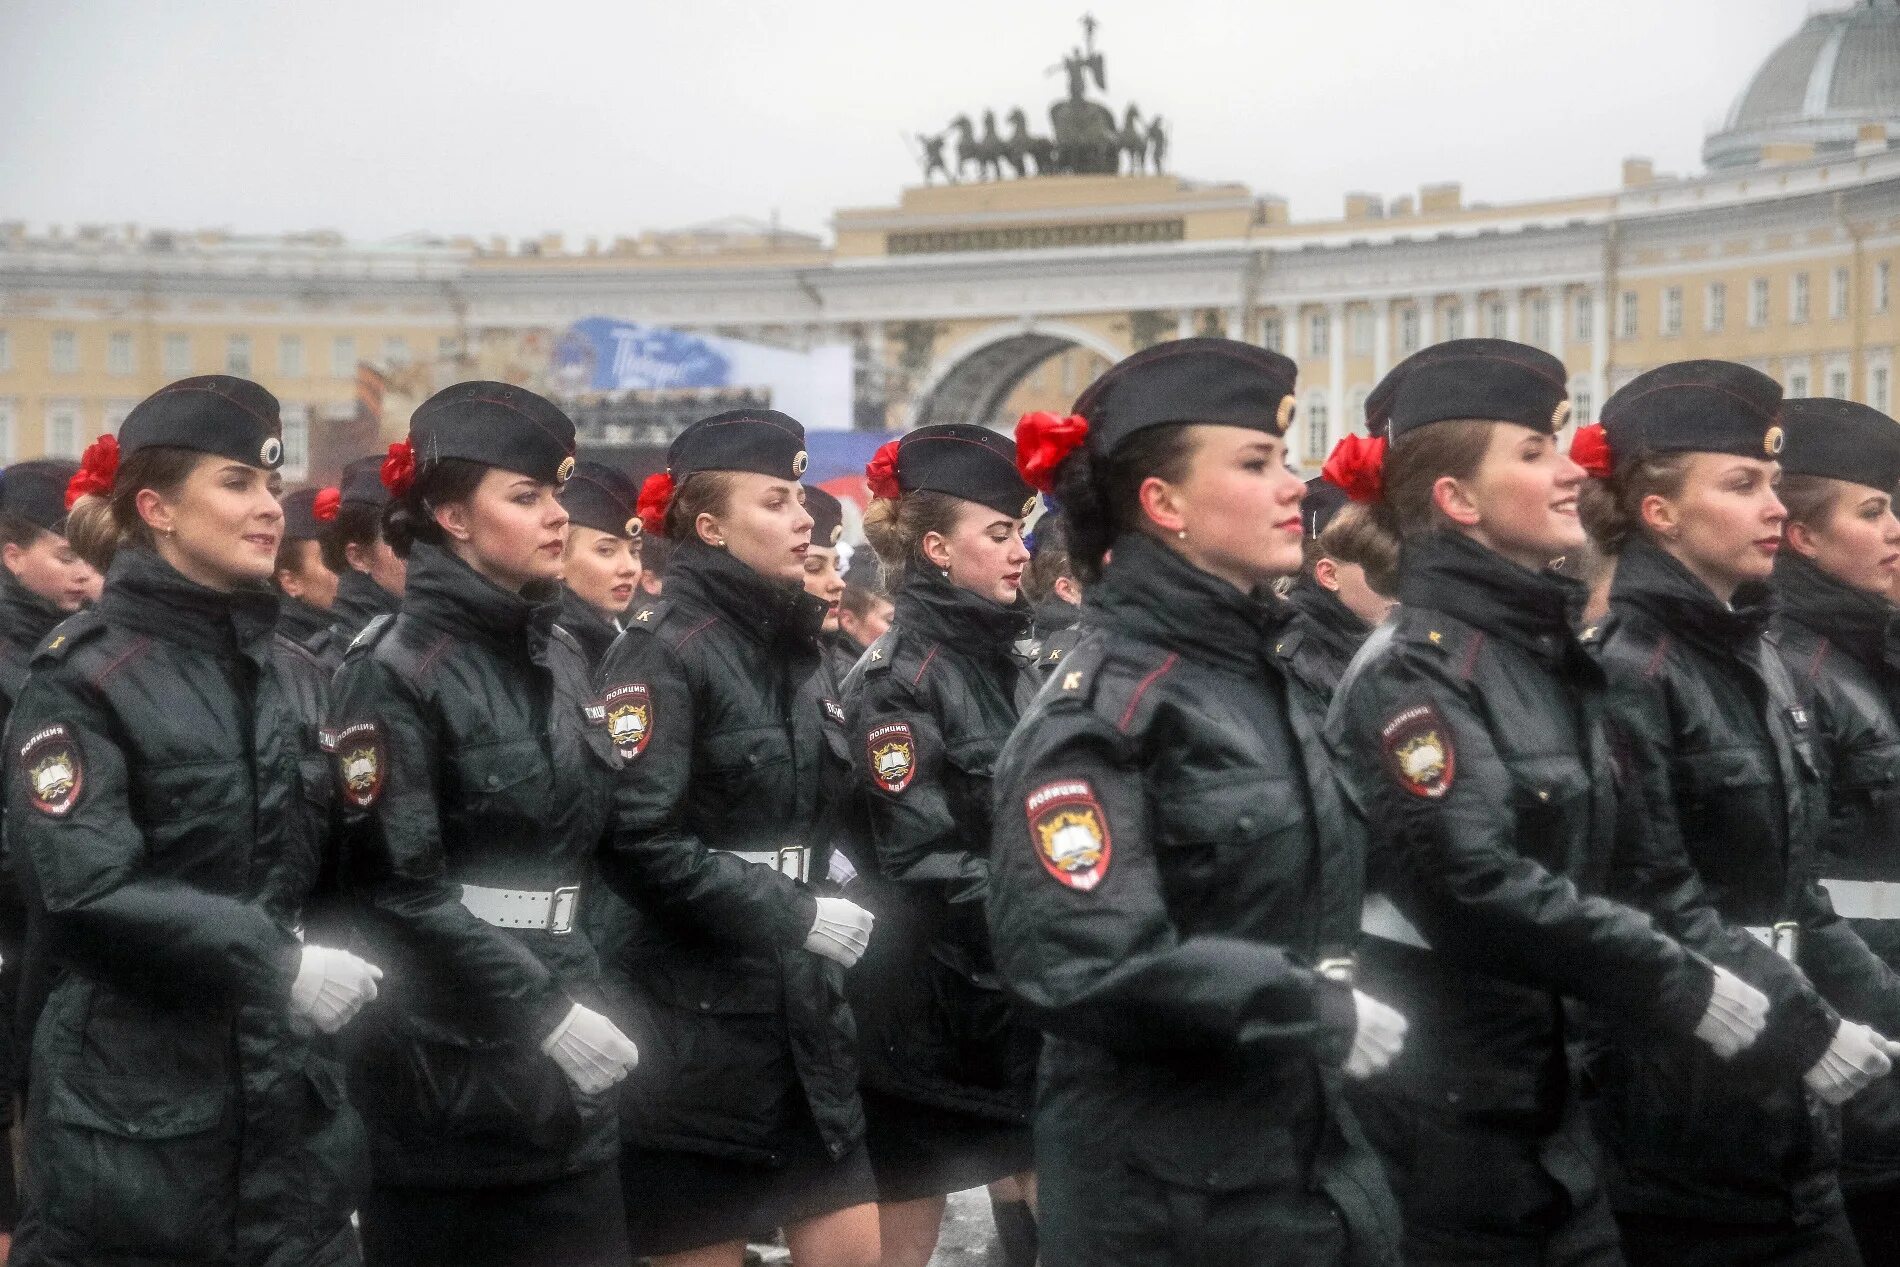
x=575, y=1221
x=919, y=1150
x=677, y=1201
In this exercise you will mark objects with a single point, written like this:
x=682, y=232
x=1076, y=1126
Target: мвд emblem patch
x=893, y=755
x=361, y=761
x=54, y=773
x=1070, y=832
x=629, y=718
x=1417, y=749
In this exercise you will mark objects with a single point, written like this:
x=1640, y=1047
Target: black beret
x=36, y=492
x=1842, y=441
x=1493, y=380
x=865, y=572
x=362, y=483
x=967, y=461
x=495, y=424
x=827, y=517
x=762, y=441
x=212, y=413
x=300, y=517
x=1218, y=381
x=1695, y=407
x=1324, y=499
x=602, y=498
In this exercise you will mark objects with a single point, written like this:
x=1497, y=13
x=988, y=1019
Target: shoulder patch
x=891, y=755
x=877, y=659
x=834, y=711
x=1417, y=749
x=55, y=772
x=362, y=760
x=629, y=708
x=1069, y=830
x=69, y=633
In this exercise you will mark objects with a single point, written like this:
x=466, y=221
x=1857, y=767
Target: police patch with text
x=892, y=754
x=1416, y=746
x=54, y=772
x=1069, y=830
x=629, y=717
x=361, y=761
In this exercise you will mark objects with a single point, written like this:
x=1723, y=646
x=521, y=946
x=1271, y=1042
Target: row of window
x=178, y=354
x=1715, y=302
x=67, y=431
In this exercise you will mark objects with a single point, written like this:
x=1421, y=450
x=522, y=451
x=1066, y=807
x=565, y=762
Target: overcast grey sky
x=383, y=117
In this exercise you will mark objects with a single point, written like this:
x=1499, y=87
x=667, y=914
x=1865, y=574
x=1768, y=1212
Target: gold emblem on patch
x=892, y=752
x=1070, y=832
x=360, y=763
x=1418, y=752
x=1771, y=442
x=629, y=718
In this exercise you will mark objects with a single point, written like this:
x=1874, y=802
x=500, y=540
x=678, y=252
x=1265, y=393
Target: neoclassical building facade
x=976, y=301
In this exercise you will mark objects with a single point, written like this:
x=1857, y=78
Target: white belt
x=1781, y=938
x=1864, y=899
x=1379, y=918
x=792, y=860
x=523, y=908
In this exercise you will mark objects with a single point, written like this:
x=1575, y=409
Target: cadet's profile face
x=602, y=569
x=824, y=582
x=1239, y=506
x=1725, y=524
x=874, y=624
x=1348, y=581
x=307, y=579
x=221, y=526
x=764, y=525
x=512, y=529
x=95, y=582
x=1857, y=541
x=382, y=564
x=49, y=568
x=983, y=552
x=1522, y=500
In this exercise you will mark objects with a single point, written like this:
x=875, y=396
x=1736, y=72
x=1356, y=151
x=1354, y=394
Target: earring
x=945, y=573
x=1182, y=534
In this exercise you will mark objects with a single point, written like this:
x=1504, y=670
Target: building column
x=1427, y=320
x=1513, y=315
x=1336, y=421
x=1381, y=339
x=1559, y=302
x=1184, y=324
x=1599, y=349
x=1236, y=325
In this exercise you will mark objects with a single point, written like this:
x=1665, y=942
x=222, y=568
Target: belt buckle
x=793, y=861
x=561, y=909
x=1786, y=938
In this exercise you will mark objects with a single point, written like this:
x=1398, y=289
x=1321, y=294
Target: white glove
x=1857, y=1057
x=1376, y=1039
x=841, y=931
x=1736, y=1014
x=590, y=1050
x=332, y=986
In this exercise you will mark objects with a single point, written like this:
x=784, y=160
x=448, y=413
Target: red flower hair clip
x=324, y=505
x=881, y=472
x=399, y=468
x=1590, y=449
x=655, y=496
x=98, y=470
x=1043, y=443
x=1357, y=465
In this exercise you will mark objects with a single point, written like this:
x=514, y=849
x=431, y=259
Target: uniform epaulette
x=1078, y=680
x=647, y=616
x=295, y=650
x=1434, y=630
x=878, y=656
x=371, y=635
x=1287, y=645
x=69, y=633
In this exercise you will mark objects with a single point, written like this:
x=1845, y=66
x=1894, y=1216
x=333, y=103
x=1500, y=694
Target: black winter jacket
x=928, y=711
x=1322, y=639
x=159, y=787
x=468, y=751
x=359, y=600
x=1166, y=883
x=593, y=631
x=1471, y=737
x=718, y=699
x=1705, y=720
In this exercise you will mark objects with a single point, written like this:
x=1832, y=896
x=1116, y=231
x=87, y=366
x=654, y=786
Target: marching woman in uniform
x=369, y=573
x=1471, y=739
x=307, y=586
x=1722, y=1164
x=601, y=568
x=1348, y=567
x=949, y=1071
x=824, y=579
x=1169, y=898
x=1836, y=633
x=476, y=775
x=746, y=1115
x=181, y=1107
